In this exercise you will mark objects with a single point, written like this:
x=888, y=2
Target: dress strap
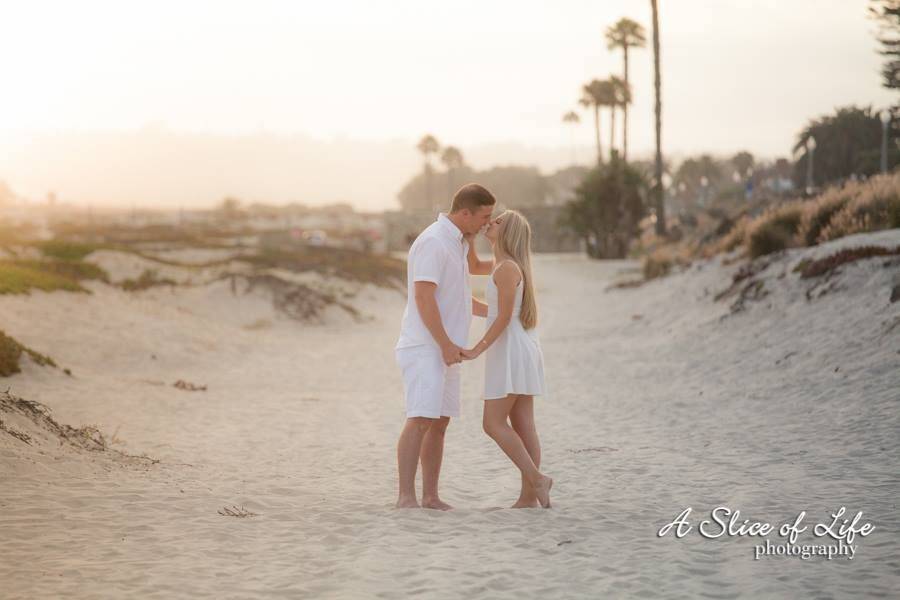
x=519, y=269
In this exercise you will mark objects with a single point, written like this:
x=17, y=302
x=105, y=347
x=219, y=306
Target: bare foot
x=435, y=503
x=404, y=502
x=542, y=490
x=526, y=503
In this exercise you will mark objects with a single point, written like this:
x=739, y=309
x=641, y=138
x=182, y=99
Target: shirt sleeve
x=429, y=261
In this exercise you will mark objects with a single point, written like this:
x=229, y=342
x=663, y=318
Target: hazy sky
x=737, y=74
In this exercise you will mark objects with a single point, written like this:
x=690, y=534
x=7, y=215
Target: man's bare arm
x=431, y=316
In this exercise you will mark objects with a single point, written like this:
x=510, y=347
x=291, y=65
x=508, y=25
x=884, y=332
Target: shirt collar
x=450, y=227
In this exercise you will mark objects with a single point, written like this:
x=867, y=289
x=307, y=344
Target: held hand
x=451, y=354
x=471, y=354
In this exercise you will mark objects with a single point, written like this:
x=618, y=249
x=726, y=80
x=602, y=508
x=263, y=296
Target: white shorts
x=431, y=387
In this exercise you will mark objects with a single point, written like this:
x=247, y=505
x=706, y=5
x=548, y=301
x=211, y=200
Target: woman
x=514, y=365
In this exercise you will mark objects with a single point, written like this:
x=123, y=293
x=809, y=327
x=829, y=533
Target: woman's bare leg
x=522, y=419
x=496, y=425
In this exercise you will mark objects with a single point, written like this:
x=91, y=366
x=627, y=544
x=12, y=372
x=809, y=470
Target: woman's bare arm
x=479, y=308
x=476, y=266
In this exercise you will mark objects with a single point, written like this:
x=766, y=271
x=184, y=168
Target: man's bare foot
x=542, y=490
x=435, y=503
x=405, y=502
x=526, y=503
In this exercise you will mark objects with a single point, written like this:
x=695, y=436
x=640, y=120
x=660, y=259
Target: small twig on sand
x=181, y=384
x=234, y=511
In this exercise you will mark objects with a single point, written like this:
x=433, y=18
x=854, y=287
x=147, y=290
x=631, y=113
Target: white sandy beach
x=659, y=398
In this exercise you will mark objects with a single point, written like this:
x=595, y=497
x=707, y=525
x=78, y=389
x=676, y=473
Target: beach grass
x=380, y=270
x=22, y=276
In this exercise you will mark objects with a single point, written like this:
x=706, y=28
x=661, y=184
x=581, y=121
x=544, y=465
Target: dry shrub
x=818, y=212
x=876, y=207
x=774, y=230
x=660, y=261
x=734, y=238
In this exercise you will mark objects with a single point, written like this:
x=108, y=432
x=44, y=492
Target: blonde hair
x=514, y=239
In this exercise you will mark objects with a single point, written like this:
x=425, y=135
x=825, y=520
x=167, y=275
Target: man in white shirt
x=435, y=328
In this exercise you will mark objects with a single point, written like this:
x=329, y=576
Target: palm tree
x=657, y=85
x=453, y=160
x=573, y=118
x=621, y=96
x=625, y=34
x=595, y=94
x=428, y=145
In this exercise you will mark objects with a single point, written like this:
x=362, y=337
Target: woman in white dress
x=514, y=365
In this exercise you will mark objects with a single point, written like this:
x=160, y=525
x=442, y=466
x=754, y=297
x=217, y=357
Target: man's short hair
x=472, y=196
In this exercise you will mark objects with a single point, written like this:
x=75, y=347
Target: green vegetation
x=11, y=352
x=17, y=277
x=607, y=209
x=66, y=250
x=848, y=143
x=21, y=276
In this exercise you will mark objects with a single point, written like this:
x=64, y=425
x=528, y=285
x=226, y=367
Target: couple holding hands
x=434, y=334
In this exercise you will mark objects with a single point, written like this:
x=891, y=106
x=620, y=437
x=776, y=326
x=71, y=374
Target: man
x=434, y=331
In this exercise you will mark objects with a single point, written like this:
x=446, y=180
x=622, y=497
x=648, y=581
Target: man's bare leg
x=521, y=417
x=408, y=448
x=432, y=453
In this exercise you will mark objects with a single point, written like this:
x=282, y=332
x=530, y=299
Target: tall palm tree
x=621, y=96
x=657, y=85
x=573, y=118
x=428, y=145
x=625, y=34
x=453, y=160
x=595, y=94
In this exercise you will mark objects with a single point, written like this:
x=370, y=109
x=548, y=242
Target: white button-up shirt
x=438, y=255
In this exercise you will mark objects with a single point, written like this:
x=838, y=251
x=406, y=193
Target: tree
x=743, y=163
x=607, y=209
x=230, y=208
x=847, y=143
x=697, y=179
x=595, y=94
x=887, y=14
x=428, y=145
x=453, y=160
x=591, y=97
x=572, y=118
x=625, y=34
x=657, y=85
x=621, y=96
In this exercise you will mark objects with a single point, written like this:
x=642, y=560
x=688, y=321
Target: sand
x=659, y=398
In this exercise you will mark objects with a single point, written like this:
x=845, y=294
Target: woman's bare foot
x=436, y=504
x=526, y=503
x=407, y=502
x=542, y=490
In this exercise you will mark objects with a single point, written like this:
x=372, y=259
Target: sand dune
x=660, y=397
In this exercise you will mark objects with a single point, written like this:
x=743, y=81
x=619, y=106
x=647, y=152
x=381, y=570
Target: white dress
x=514, y=363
